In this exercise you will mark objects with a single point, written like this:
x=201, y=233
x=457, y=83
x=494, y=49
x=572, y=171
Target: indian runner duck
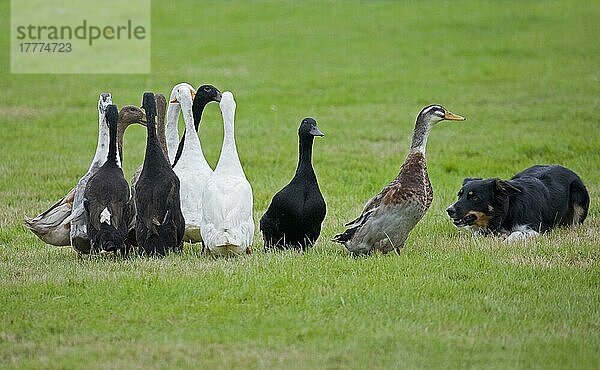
x=105, y=198
x=294, y=217
x=227, y=225
x=190, y=166
x=54, y=225
x=159, y=224
x=161, y=106
x=388, y=218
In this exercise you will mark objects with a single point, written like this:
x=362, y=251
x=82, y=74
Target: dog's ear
x=505, y=187
x=469, y=179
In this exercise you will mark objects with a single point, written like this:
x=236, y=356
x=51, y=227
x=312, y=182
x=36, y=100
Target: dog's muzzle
x=467, y=220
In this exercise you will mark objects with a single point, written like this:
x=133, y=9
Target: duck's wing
x=114, y=213
x=372, y=204
x=160, y=209
x=53, y=216
x=370, y=207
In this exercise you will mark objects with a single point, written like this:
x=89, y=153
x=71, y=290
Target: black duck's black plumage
x=159, y=223
x=294, y=217
x=161, y=107
x=105, y=198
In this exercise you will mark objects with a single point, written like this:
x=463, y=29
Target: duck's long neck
x=172, y=130
x=154, y=158
x=121, y=126
x=160, y=129
x=197, y=110
x=305, y=156
x=229, y=156
x=113, y=151
x=103, y=139
x=151, y=130
x=194, y=117
x=420, y=136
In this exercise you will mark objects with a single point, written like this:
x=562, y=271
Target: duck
x=161, y=106
x=159, y=224
x=190, y=165
x=388, y=217
x=294, y=217
x=227, y=225
x=106, y=196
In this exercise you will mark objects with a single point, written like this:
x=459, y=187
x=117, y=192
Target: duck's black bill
x=314, y=131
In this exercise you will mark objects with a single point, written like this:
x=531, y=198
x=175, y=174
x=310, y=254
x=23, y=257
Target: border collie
x=533, y=201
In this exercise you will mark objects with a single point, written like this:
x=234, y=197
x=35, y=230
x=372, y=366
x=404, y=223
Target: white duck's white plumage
x=78, y=233
x=191, y=168
x=172, y=121
x=227, y=225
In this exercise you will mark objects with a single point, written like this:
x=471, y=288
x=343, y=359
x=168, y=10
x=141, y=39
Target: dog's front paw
x=520, y=234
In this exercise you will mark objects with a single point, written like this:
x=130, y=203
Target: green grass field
x=525, y=74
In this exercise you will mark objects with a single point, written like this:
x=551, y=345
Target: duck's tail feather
x=354, y=225
x=108, y=239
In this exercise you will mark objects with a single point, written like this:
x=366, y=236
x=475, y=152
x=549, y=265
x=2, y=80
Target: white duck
x=227, y=226
x=78, y=220
x=191, y=167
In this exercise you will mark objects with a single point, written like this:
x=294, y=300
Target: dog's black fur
x=539, y=198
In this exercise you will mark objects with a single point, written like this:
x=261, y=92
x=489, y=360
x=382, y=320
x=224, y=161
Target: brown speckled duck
x=388, y=218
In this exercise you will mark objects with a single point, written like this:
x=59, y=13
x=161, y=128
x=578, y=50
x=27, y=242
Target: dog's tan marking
x=482, y=219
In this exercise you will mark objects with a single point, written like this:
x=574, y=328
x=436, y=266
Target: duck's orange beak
x=453, y=117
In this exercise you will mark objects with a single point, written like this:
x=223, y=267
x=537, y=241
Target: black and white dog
x=532, y=202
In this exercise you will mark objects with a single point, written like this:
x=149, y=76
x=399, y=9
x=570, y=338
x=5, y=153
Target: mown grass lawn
x=526, y=77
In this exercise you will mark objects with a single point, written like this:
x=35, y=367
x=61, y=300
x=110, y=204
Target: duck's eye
x=206, y=88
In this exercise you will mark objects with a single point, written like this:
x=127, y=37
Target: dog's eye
x=471, y=195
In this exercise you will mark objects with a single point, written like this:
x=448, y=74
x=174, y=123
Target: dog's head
x=481, y=204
